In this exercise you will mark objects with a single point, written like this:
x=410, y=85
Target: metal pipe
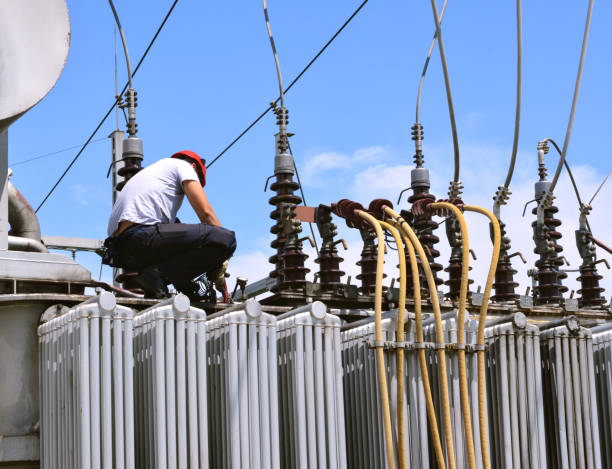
x=25, y=244
x=21, y=216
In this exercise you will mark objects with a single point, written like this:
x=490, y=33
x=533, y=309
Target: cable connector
x=455, y=189
x=417, y=136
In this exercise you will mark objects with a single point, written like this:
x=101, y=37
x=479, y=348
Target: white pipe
x=272, y=367
x=300, y=423
x=128, y=394
x=181, y=410
x=84, y=392
x=309, y=380
x=16, y=243
x=160, y=395
x=320, y=393
x=191, y=395
x=202, y=411
x=117, y=350
x=264, y=403
x=234, y=410
x=339, y=391
x=170, y=403
x=107, y=412
x=94, y=387
x=243, y=396
x=254, y=438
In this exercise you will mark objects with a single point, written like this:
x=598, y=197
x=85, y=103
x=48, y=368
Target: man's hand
x=218, y=277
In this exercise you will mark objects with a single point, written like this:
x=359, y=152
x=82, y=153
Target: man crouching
x=144, y=235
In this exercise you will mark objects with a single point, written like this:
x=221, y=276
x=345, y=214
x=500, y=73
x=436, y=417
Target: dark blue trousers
x=180, y=251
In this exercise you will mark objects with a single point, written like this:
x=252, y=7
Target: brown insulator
x=454, y=279
x=329, y=270
x=549, y=288
x=288, y=262
x=504, y=281
x=369, y=256
x=590, y=291
x=504, y=284
x=424, y=227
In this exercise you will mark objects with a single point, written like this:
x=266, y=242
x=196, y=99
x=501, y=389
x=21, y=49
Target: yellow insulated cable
x=380, y=356
x=463, y=287
x=435, y=302
x=429, y=405
x=399, y=337
x=482, y=410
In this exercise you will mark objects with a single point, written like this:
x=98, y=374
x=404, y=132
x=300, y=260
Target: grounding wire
x=299, y=75
x=585, y=39
x=297, y=175
x=519, y=79
x=600, y=186
x=449, y=96
x=53, y=153
x=426, y=64
x=146, y=52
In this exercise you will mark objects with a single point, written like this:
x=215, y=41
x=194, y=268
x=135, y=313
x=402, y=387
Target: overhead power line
x=314, y=59
x=80, y=152
x=57, y=152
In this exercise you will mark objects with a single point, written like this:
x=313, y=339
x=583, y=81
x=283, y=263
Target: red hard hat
x=193, y=157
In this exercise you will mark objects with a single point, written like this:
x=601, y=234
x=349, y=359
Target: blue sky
x=211, y=73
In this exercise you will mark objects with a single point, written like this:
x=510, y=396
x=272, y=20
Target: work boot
x=200, y=290
x=152, y=282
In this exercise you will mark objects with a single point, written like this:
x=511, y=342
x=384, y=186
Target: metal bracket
x=412, y=346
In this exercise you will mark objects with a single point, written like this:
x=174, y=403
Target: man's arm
x=197, y=198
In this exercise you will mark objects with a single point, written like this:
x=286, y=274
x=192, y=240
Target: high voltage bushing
x=328, y=260
x=590, y=290
x=549, y=288
x=422, y=224
x=504, y=284
x=289, y=258
x=346, y=209
x=455, y=262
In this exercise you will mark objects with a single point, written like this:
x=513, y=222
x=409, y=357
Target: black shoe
x=152, y=282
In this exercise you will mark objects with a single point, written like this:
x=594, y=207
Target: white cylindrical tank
x=34, y=43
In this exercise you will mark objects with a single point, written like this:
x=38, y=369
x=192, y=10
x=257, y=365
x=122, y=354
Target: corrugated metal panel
x=449, y=325
x=364, y=426
x=602, y=363
x=514, y=395
x=311, y=392
x=87, y=417
x=572, y=429
x=242, y=390
x=170, y=386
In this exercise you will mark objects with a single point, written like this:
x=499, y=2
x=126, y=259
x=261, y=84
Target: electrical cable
x=80, y=152
x=418, y=317
x=123, y=41
x=571, y=175
x=441, y=354
x=600, y=186
x=426, y=65
x=295, y=80
x=482, y=409
x=28, y=160
x=399, y=337
x=449, y=96
x=380, y=354
x=278, y=70
x=585, y=40
x=463, y=288
x=519, y=79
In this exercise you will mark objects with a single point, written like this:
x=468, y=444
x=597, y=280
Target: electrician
x=145, y=235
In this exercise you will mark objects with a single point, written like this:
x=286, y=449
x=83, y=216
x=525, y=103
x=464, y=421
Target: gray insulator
x=132, y=148
x=541, y=188
x=419, y=177
x=283, y=163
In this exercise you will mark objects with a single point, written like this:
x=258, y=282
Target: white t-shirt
x=153, y=195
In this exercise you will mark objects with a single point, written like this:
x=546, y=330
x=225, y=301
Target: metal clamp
x=414, y=346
